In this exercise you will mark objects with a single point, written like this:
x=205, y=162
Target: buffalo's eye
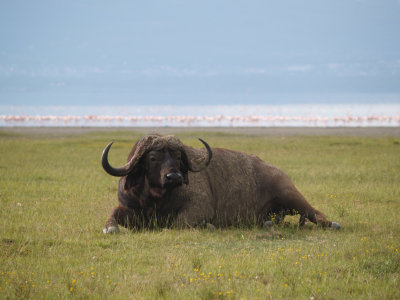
x=153, y=158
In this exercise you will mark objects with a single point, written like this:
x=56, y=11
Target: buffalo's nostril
x=173, y=176
x=172, y=179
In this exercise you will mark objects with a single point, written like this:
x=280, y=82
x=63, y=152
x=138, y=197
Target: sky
x=184, y=52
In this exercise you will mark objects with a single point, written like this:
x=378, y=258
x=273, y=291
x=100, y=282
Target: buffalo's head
x=161, y=160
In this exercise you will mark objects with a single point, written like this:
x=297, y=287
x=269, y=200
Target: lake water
x=308, y=115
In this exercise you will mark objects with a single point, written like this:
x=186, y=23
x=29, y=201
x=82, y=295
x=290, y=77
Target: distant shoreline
x=261, y=131
x=285, y=115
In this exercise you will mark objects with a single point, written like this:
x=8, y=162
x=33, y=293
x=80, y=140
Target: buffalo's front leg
x=122, y=216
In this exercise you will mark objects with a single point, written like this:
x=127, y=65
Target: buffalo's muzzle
x=172, y=179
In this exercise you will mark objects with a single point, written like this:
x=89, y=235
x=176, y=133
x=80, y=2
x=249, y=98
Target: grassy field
x=55, y=198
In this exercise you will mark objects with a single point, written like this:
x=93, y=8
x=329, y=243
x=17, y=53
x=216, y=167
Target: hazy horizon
x=176, y=52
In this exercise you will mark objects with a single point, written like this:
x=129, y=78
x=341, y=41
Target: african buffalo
x=167, y=183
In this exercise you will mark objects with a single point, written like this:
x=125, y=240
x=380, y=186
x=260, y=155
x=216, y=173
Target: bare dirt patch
x=262, y=131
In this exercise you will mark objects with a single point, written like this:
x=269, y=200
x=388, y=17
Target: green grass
x=55, y=198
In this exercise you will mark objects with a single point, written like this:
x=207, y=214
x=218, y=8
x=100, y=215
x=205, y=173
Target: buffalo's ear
x=184, y=167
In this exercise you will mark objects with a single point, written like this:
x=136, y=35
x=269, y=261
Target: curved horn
x=199, y=163
x=140, y=148
x=118, y=172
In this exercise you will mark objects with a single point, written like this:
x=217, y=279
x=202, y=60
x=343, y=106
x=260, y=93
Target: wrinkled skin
x=234, y=188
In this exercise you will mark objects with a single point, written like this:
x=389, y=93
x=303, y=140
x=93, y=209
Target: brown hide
x=235, y=188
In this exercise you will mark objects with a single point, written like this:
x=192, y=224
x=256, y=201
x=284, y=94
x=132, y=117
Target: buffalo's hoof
x=111, y=229
x=268, y=224
x=335, y=225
